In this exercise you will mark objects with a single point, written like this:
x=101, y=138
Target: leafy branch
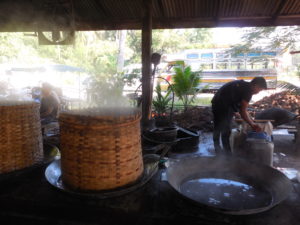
x=186, y=84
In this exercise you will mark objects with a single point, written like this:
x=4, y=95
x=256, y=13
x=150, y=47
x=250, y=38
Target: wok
x=229, y=185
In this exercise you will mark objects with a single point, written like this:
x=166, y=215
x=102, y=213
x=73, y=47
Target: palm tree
x=185, y=84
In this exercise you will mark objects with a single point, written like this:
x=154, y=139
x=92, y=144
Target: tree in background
x=98, y=56
x=283, y=38
x=16, y=47
x=121, y=51
x=106, y=91
x=169, y=41
x=100, y=53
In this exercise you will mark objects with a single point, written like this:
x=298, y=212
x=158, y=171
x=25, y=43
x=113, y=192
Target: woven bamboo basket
x=20, y=135
x=100, y=149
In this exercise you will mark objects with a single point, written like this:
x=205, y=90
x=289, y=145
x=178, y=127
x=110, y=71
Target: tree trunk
x=122, y=39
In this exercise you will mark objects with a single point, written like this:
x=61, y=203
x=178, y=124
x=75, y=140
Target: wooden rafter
x=279, y=9
x=217, y=12
x=161, y=8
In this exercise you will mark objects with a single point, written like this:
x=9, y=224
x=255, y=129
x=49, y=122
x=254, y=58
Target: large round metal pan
x=228, y=185
x=53, y=176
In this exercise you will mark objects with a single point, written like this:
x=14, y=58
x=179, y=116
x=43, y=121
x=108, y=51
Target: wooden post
x=146, y=63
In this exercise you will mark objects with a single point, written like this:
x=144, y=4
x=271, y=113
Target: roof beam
x=169, y=23
x=279, y=9
x=217, y=15
x=166, y=23
x=225, y=22
x=33, y=15
x=102, y=8
x=161, y=8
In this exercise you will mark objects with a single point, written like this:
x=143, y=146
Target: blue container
x=259, y=135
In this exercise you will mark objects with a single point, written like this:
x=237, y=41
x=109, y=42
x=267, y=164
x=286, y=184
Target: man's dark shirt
x=232, y=94
x=50, y=101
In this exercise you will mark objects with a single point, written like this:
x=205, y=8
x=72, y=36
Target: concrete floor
x=286, y=157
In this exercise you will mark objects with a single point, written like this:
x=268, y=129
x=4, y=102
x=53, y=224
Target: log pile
x=200, y=118
x=285, y=100
x=197, y=118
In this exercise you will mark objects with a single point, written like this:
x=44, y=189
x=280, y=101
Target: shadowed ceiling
x=32, y=15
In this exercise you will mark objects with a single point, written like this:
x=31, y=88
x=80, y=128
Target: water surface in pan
x=226, y=194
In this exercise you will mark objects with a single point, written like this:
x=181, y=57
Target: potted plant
x=161, y=102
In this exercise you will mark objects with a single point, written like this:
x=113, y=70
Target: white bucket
x=257, y=150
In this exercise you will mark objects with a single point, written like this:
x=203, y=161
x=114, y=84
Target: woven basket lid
x=9, y=103
x=100, y=116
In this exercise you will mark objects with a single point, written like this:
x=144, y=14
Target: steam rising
x=111, y=111
x=112, y=101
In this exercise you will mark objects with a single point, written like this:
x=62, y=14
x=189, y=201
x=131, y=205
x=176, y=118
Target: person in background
x=36, y=93
x=233, y=97
x=49, y=104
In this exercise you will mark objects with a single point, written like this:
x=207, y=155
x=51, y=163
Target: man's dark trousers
x=222, y=127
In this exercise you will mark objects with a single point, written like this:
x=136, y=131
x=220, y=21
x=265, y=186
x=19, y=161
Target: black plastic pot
x=188, y=139
x=163, y=134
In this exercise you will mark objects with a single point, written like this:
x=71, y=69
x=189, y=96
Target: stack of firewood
x=198, y=118
x=285, y=100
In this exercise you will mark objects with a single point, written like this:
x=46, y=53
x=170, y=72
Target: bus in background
x=218, y=66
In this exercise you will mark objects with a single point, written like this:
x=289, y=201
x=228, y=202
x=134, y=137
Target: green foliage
x=131, y=78
x=97, y=56
x=97, y=53
x=284, y=37
x=186, y=84
x=169, y=41
x=14, y=48
x=106, y=91
x=160, y=103
x=94, y=55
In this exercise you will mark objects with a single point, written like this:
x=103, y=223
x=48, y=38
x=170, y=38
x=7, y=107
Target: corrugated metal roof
x=128, y=14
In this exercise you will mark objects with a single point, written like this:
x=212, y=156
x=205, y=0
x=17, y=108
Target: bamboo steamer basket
x=20, y=135
x=100, y=148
